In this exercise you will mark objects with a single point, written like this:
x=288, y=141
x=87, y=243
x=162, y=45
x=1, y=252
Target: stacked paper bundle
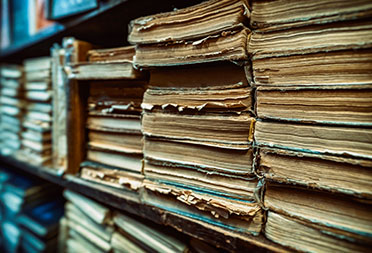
x=12, y=104
x=197, y=120
x=37, y=122
x=312, y=68
x=113, y=124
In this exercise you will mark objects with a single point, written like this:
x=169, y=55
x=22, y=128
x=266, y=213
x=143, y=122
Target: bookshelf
x=124, y=201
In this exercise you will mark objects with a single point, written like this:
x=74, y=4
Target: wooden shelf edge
x=131, y=203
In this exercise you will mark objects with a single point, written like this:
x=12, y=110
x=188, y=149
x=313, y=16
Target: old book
x=114, y=123
x=317, y=139
x=223, y=73
x=36, y=64
x=352, y=176
x=74, y=214
x=227, y=99
x=245, y=217
x=283, y=14
x=279, y=228
x=311, y=39
x=11, y=71
x=37, y=146
x=336, y=215
x=230, y=46
x=121, y=142
x=208, y=158
x=152, y=238
x=38, y=85
x=42, y=96
x=223, y=184
x=107, y=64
x=111, y=54
x=121, y=244
x=111, y=176
x=36, y=136
x=38, y=75
x=122, y=97
x=345, y=67
x=190, y=23
x=345, y=105
x=126, y=161
x=235, y=132
x=97, y=212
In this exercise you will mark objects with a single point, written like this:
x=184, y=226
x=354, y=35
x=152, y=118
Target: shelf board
x=131, y=203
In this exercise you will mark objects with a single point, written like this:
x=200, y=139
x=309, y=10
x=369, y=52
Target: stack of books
x=312, y=67
x=113, y=123
x=197, y=120
x=37, y=123
x=31, y=210
x=88, y=224
x=12, y=103
x=91, y=226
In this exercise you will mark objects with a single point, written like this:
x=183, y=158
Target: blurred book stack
x=37, y=123
x=31, y=210
x=113, y=124
x=197, y=120
x=312, y=68
x=89, y=226
x=12, y=105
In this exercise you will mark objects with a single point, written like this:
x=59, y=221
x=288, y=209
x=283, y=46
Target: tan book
x=111, y=177
x=38, y=75
x=232, y=132
x=114, y=123
x=283, y=14
x=209, y=99
x=202, y=20
x=152, y=238
x=208, y=158
x=280, y=229
x=311, y=39
x=338, y=215
x=346, y=67
x=75, y=215
x=232, y=216
x=111, y=54
x=36, y=136
x=317, y=139
x=331, y=173
x=37, y=146
x=223, y=73
x=37, y=64
x=228, y=185
x=345, y=105
x=230, y=46
x=97, y=212
x=77, y=242
x=121, y=244
x=120, y=142
x=129, y=162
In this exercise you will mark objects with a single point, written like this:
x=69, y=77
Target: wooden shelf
x=130, y=202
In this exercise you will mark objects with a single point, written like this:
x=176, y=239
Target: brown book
x=114, y=122
x=331, y=173
x=198, y=21
x=283, y=14
x=232, y=132
x=311, y=39
x=280, y=229
x=338, y=215
x=344, y=105
x=208, y=158
x=111, y=54
x=316, y=139
x=229, y=46
x=350, y=67
x=233, y=98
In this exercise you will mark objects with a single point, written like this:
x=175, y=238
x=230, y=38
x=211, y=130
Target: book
x=338, y=216
x=279, y=228
x=190, y=23
x=337, y=105
x=230, y=46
